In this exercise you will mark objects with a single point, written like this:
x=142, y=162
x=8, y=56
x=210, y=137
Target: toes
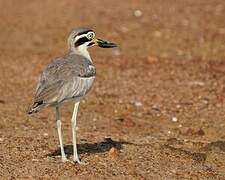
x=67, y=160
x=64, y=159
x=80, y=162
x=75, y=160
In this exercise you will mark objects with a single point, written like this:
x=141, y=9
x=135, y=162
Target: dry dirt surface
x=156, y=110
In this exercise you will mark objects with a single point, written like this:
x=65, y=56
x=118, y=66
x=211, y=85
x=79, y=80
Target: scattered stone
x=173, y=171
x=120, y=119
x=200, y=132
x=205, y=101
x=138, y=103
x=174, y=119
x=120, y=101
x=164, y=55
x=193, y=132
x=124, y=29
x=116, y=52
x=188, y=132
x=34, y=160
x=152, y=59
x=180, y=52
x=1, y=139
x=157, y=34
x=178, y=106
x=113, y=152
x=196, y=83
x=129, y=122
x=138, y=13
x=155, y=107
x=45, y=134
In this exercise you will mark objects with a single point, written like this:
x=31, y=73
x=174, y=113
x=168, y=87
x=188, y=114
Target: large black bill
x=106, y=44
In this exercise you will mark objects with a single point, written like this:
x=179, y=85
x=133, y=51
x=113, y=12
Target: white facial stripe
x=85, y=35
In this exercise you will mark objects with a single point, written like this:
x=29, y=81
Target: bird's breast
x=83, y=86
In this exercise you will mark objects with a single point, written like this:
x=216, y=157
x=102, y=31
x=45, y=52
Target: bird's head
x=81, y=39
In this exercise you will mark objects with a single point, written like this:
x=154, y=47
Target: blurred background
x=158, y=99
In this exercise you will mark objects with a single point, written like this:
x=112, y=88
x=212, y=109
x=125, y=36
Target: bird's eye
x=90, y=35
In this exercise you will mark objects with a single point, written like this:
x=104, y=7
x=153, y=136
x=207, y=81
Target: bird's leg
x=58, y=122
x=74, y=122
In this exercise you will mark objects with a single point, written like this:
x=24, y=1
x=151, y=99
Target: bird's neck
x=82, y=51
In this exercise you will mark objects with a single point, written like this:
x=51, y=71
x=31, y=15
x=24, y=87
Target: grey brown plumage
x=69, y=77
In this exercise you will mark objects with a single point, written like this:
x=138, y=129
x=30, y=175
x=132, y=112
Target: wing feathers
x=63, y=79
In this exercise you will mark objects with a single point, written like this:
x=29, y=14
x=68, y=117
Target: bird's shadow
x=93, y=148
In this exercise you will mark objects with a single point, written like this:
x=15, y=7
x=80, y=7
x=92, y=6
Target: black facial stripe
x=91, y=43
x=81, y=41
x=84, y=32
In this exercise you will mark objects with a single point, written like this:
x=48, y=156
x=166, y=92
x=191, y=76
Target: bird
x=68, y=78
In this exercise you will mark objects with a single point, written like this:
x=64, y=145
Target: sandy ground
x=158, y=99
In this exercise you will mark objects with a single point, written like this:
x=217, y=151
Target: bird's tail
x=35, y=107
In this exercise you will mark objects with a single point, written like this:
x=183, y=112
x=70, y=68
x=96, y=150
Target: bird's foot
x=76, y=160
x=64, y=159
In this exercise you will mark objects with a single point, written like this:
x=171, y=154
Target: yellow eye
x=90, y=35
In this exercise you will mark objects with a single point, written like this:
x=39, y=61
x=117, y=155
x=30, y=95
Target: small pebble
x=200, y=132
x=157, y=34
x=180, y=52
x=34, y=160
x=124, y=29
x=138, y=104
x=152, y=59
x=173, y=171
x=155, y=107
x=1, y=139
x=45, y=134
x=196, y=83
x=113, y=152
x=116, y=52
x=178, y=106
x=138, y=13
x=205, y=101
x=174, y=119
